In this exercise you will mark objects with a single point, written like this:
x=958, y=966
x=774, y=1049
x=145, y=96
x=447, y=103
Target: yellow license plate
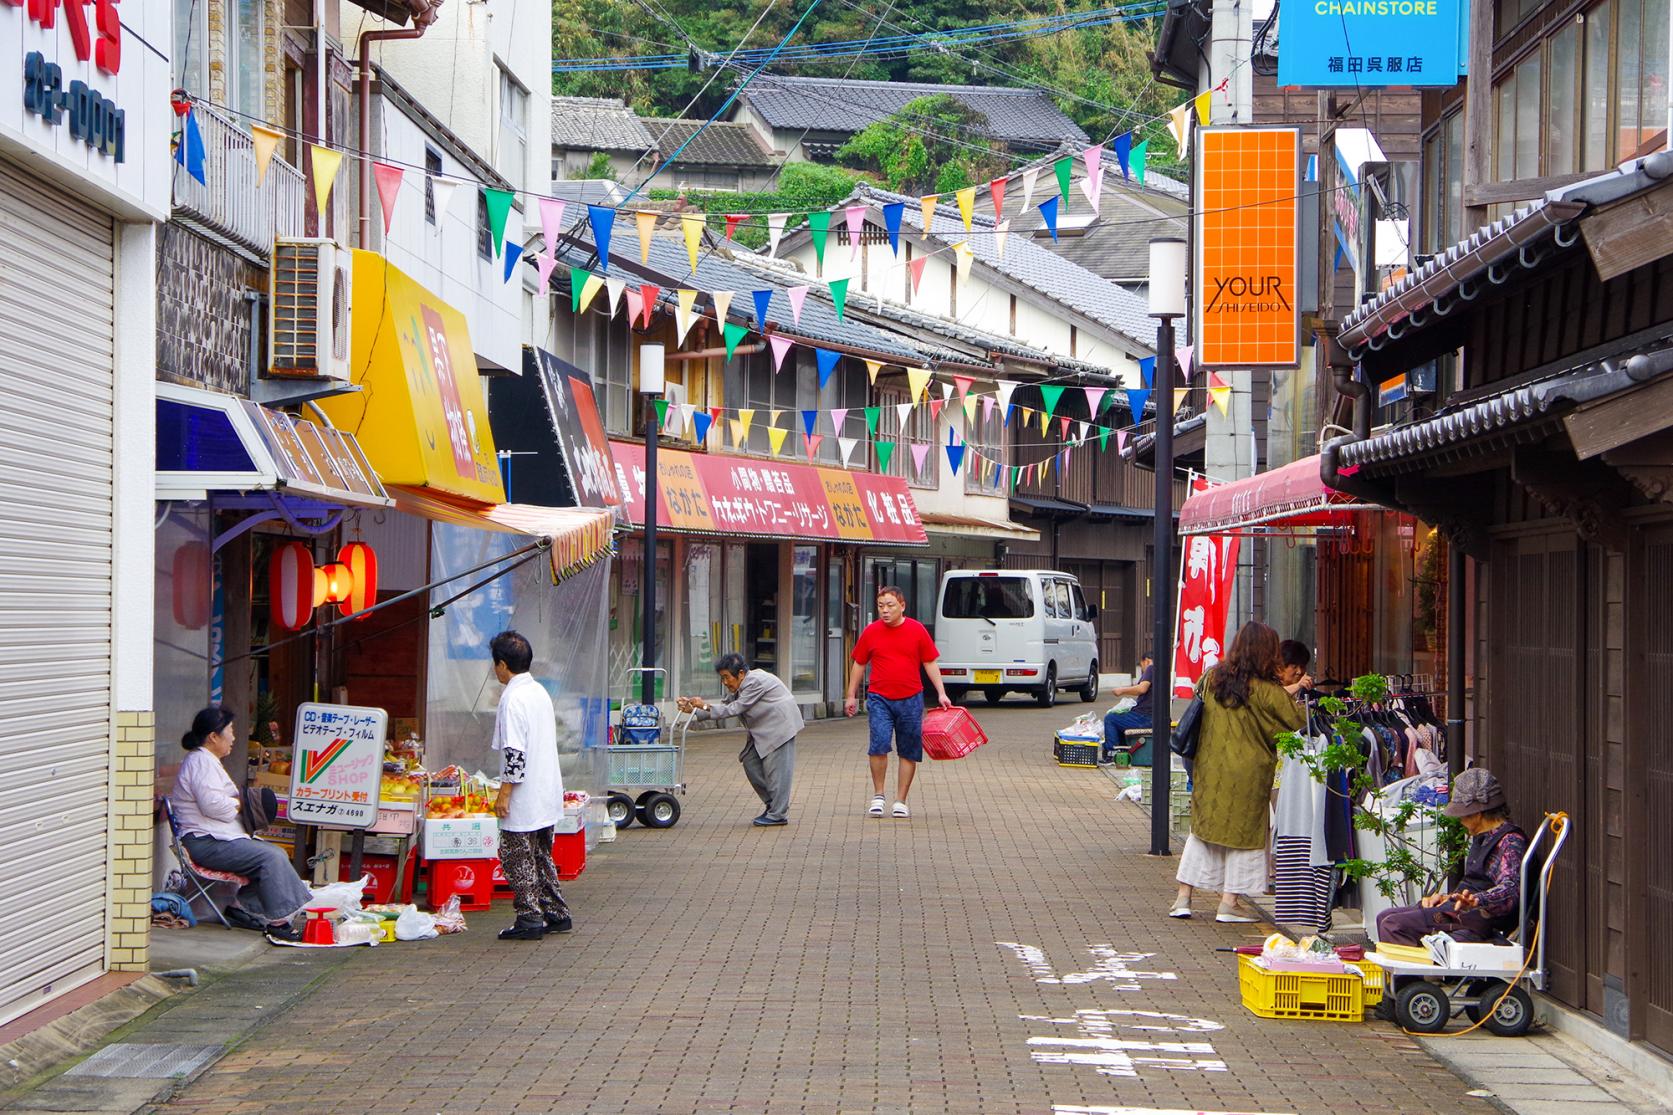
x=987, y=677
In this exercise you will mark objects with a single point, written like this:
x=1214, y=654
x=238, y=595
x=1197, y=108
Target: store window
x=804, y=619
x=1443, y=184
x=191, y=33
x=916, y=577
x=626, y=617
x=919, y=431
x=705, y=626
x=246, y=31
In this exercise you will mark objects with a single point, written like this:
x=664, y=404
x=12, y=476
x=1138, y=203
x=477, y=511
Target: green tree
x=932, y=145
x=599, y=167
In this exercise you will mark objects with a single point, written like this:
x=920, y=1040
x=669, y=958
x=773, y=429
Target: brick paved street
x=840, y=964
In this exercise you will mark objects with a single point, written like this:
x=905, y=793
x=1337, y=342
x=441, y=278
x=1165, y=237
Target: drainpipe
x=1341, y=374
x=424, y=13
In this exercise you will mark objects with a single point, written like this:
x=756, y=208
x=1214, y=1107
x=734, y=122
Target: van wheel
x=1089, y=691
x=993, y=696
x=1047, y=696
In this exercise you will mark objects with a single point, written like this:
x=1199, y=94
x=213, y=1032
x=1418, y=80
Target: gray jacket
x=768, y=711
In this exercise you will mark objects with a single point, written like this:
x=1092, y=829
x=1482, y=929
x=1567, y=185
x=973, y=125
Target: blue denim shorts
x=903, y=719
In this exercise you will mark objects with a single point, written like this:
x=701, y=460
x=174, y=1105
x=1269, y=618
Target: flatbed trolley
x=646, y=762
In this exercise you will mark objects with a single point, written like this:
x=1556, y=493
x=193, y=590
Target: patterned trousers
x=526, y=859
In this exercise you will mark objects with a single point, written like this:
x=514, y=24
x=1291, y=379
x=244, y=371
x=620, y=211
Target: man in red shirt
x=895, y=647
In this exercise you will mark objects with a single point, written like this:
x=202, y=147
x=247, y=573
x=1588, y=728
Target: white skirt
x=1216, y=867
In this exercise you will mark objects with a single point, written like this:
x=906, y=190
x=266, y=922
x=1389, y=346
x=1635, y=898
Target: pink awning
x=1291, y=496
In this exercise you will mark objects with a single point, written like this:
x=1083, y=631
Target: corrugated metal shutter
x=56, y=384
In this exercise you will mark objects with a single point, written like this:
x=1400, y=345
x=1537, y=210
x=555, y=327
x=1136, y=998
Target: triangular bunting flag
x=1147, y=370
x=996, y=193
x=1045, y=420
x=963, y=255
x=603, y=220
x=872, y=368
x=647, y=228
x=733, y=220
x=1178, y=125
x=1050, y=394
x=885, y=452
x=920, y=454
x=838, y=416
x=266, y=142
x=763, y=303
x=797, y=294
x=737, y=433
x=684, y=300
x=891, y=222
x=722, y=303
x=946, y=391
x=775, y=231
x=1048, y=210
x=1124, y=153
x=1094, y=398
x=700, y=423
x=813, y=441
x=388, y=179
x=1141, y=159
x=1005, y=389
x=1205, y=104
x=988, y=404
x=326, y=163
x=775, y=438
x=845, y=446
x=1063, y=168
x=545, y=263
x=963, y=384
x=1183, y=355
x=1028, y=178
x=969, y=402
x=1136, y=399
x=827, y=361
x=809, y=417
x=935, y=406
x=661, y=406
x=613, y=289
x=733, y=332
x=189, y=151
x=917, y=379
x=1221, y=397
x=872, y=414
x=1000, y=232
x=498, y=203
x=1093, y=187
x=819, y=224
x=955, y=453
x=577, y=280
x=915, y=268
x=855, y=217
x=589, y=290
x=745, y=417
x=839, y=296
x=650, y=294
x=903, y=414
x=635, y=304
x=966, y=199
x=926, y=206
x=1103, y=438
x=551, y=221
x=691, y=226
x=780, y=346
x=513, y=252
x=1121, y=441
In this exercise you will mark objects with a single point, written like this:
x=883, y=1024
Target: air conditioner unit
x=308, y=334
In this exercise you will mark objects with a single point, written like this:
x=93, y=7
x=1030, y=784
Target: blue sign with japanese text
x=1368, y=43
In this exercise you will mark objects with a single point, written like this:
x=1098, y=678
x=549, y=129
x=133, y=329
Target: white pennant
x=1000, y=232
x=723, y=302
x=442, y=190
x=613, y=288
x=1028, y=177
x=946, y=392
x=1005, y=389
x=775, y=230
x=847, y=444
x=686, y=411
x=904, y=410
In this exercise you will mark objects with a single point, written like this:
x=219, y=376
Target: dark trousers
x=770, y=777
x=526, y=859
x=1408, y=925
x=1116, y=725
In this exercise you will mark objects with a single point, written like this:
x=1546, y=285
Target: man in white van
x=1117, y=723
x=895, y=646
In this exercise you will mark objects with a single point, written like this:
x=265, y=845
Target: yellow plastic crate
x=1375, y=981
x=1316, y=996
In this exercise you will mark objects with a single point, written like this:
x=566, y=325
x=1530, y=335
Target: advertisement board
x=1248, y=247
x=1369, y=43
x=337, y=776
x=573, y=406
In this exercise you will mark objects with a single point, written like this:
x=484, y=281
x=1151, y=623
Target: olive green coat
x=1237, y=754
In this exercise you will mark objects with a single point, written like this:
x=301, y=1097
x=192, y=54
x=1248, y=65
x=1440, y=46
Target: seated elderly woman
x=206, y=801
x=1486, y=905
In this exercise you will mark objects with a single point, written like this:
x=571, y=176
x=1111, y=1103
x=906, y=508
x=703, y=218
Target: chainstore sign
x=1364, y=43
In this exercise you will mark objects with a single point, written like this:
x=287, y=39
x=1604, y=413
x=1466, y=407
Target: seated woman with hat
x=1487, y=903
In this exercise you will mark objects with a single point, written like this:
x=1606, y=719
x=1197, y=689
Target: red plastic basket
x=951, y=733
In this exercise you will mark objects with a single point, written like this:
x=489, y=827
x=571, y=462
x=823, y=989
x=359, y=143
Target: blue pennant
x=702, y=420
x=763, y=303
x=513, y=251
x=955, y=455
x=827, y=364
x=891, y=221
x=1124, y=152
x=808, y=418
x=1048, y=210
x=1136, y=399
x=1147, y=369
x=604, y=222
x=189, y=153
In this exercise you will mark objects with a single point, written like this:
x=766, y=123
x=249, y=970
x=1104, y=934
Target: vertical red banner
x=1208, y=568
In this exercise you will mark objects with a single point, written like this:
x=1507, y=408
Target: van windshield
x=987, y=598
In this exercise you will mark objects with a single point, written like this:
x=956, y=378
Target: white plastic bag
x=414, y=925
x=341, y=896
x=1088, y=728
x=450, y=918
x=1124, y=705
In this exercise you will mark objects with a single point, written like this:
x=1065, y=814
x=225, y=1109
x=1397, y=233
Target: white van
x=1005, y=630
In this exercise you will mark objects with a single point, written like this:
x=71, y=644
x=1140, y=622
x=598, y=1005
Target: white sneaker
x=901, y=812
x=876, y=809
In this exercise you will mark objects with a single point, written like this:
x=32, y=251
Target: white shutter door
x=56, y=385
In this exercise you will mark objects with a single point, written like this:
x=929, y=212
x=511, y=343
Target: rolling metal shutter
x=56, y=384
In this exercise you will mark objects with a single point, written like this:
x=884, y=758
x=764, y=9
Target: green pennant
x=1016, y=475
x=1137, y=159
x=577, y=280
x=820, y=225
x=1103, y=438
x=734, y=333
x=661, y=412
x=1062, y=167
x=499, y=206
x=839, y=296
x=885, y=453
x=1050, y=395
x=871, y=420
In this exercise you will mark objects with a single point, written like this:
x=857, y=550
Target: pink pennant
x=551, y=221
x=1093, y=156
x=813, y=441
x=780, y=346
x=855, y=215
x=1094, y=396
x=797, y=295
x=963, y=383
x=988, y=403
x=635, y=304
x=1121, y=441
x=546, y=262
x=838, y=415
x=1183, y=355
x=916, y=269
x=389, y=186
x=920, y=452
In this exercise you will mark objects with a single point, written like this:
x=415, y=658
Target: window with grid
x=484, y=234
x=514, y=115
x=1443, y=184
x=985, y=441
x=432, y=169
x=920, y=430
x=603, y=352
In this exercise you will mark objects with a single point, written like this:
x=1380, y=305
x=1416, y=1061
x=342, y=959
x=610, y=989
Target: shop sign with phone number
x=92, y=117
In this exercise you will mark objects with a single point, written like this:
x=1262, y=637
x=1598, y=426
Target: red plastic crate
x=569, y=852
x=382, y=870
x=951, y=733
x=471, y=879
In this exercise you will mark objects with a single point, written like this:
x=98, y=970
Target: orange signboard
x=682, y=493
x=1248, y=263
x=848, y=511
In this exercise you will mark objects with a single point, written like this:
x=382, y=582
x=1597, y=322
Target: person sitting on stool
x=1117, y=723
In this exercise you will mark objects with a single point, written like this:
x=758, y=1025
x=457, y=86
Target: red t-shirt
x=895, y=653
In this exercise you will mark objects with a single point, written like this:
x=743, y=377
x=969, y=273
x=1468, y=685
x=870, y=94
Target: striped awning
x=578, y=536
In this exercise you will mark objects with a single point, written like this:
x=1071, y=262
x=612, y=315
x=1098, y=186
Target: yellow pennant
x=916, y=380
x=1044, y=420
x=1221, y=397
x=928, y=202
x=1180, y=394
x=963, y=254
x=776, y=437
x=647, y=226
x=326, y=162
x=969, y=411
x=872, y=368
x=683, y=301
x=723, y=302
x=966, y=204
x=1178, y=118
x=1205, y=105
x=692, y=225
x=745, y=417
x=589, y=290
x=267, y=142
x=737, y=434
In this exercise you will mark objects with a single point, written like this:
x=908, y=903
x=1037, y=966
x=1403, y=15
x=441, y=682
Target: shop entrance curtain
x=564, y=623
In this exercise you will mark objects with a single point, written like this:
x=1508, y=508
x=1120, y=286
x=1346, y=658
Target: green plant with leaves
x=1406, y=873
x=933, y=144
x=599, y=167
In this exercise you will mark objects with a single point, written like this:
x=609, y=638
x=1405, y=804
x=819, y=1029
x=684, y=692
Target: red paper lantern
x=291, y=586
x=191, y=585
x=362, y=564
x=339, y=582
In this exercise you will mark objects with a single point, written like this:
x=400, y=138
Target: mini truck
x=1016, y=630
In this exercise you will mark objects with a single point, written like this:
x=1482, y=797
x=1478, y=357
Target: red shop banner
x=746, y=496
x=1207, y=570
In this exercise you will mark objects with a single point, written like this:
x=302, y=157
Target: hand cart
x=1425, y=996
x=646, y=762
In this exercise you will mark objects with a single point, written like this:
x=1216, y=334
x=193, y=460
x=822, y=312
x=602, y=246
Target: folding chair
x=200, y=877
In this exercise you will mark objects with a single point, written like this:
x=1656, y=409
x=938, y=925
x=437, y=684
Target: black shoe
x=765, y=821
x=284, y=932
x=560, y=925
x=521, y=932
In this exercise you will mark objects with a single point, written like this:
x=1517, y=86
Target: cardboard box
x=461, y=838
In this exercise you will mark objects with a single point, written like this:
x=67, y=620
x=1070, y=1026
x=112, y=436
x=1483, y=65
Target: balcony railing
x=228, y=203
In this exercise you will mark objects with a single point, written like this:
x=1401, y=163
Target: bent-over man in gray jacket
x=772, y=720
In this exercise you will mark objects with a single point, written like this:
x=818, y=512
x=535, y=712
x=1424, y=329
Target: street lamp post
x=1167, y=302
x=651, y=386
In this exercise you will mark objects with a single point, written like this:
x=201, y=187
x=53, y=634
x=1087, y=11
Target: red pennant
x=935, y=406
x=649, y=293
x=996, y=190
x=714, y=415
x=733, y=220
x=813, y=441
x=916, y=270
x=389, y=186
x=1063, y=428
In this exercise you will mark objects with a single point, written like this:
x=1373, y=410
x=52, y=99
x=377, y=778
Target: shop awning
x=702, y=493
x=211, y=442
x=1292, y=496
x=578, y=536
x=420, y=412
x=1050, y=506
x=974, y=526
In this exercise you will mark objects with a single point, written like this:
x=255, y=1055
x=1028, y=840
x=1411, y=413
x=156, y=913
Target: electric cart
x=646, y=761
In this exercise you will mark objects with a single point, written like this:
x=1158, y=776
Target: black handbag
x=1188, y=731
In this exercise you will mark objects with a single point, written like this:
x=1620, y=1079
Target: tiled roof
x=598, y=124
x=720, y=144
x=1034, y=266
x=1025, y=116
x=1116, y=244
